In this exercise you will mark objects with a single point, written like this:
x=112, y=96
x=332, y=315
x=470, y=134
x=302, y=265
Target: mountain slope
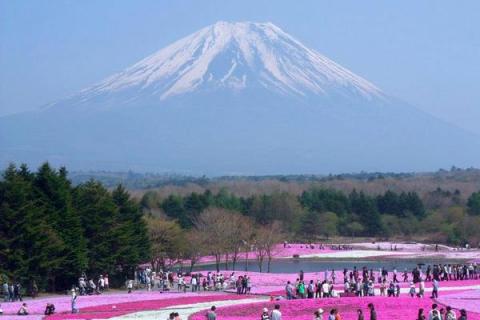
x=236, y=98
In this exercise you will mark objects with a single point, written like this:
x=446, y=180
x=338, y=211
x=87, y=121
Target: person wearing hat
x=265, y=315
x=412, y=289
x=318, y=314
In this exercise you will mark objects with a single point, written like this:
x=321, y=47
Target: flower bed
x=63, y=303
x=112, y=310
x=387, y=308
x=468, y=300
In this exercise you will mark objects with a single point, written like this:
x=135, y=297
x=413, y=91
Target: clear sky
x=424, y=52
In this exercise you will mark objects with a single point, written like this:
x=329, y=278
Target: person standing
x=289, y=290
x=301, y=290
x=373, y=312
x=450, y=314
x=74, y=300
x=34, y=289
x=194, y=284
x=360, y=315
x=318, y=289
x=420, y=316
x=434, y=310
x=310, y=290
x=332, y=315
x=463, y=315
x=17, y=292
x=107, y=285
x=211, y=315
x=101, y=284
x=435, y=289
x=264, y=315
x=129, y=286
x=325, y=289
x=337, y=315
x=276, y=314
x=6, y=294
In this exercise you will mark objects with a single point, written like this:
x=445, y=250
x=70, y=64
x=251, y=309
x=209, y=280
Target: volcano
x=235, y=98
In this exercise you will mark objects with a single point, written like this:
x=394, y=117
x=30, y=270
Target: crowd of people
x=366, y=282
x=12, y=292
x=321, y=246
x=90, y=287
x=434, y=314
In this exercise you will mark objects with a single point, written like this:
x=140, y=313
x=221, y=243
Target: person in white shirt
x=276, y=314
x=194, y=284
x=431, y=313
x=325, y=289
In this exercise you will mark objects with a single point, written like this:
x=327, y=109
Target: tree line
x=324, y=212
x=51, y=232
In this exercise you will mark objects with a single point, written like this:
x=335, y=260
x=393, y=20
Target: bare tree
x=267, y=240
x=241, y=230
x=213, y=227
x=167, y=240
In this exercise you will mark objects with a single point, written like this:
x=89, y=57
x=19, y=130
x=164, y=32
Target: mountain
x=236, y=98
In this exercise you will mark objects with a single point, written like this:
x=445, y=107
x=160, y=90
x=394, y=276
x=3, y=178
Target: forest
x=52, y=230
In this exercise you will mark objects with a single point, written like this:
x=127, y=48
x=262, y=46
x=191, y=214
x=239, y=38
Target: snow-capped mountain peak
x=233, y=56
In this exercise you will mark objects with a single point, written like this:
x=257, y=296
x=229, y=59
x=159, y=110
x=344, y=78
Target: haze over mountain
x=236, y=98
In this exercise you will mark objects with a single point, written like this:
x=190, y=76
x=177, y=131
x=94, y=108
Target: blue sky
x=424, y=52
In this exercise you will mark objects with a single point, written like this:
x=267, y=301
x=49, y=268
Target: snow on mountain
x=235, y=98
x=234, y=56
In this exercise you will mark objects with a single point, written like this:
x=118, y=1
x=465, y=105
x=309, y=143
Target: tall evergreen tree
x=54, y=194
x=133, y=244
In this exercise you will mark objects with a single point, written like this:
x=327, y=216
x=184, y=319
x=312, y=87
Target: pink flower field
x=387, y=308
x=112, y=310
x=98, y=303
x=468, y=300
